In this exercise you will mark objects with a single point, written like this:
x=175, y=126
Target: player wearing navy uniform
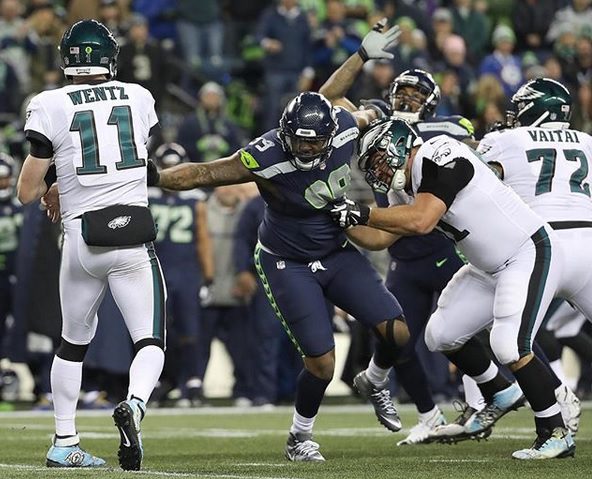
x=302, y=258
x=421, y=266
x=184, y=249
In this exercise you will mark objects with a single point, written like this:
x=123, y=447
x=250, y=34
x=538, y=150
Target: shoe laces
x=489, y=413
x=382, y=397
x=465, y=411
x=306, y=448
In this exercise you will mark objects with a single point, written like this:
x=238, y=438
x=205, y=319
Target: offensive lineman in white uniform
x=96, y=130
x=513, y=272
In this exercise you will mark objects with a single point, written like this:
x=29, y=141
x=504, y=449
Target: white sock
x=473, y=396
x=301, y=424
x=558, y=370
x=375, y=374
x=144, y=372
x=66, y=377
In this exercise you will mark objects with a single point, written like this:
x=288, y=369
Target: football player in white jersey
x=92, y=135
x=512, y=275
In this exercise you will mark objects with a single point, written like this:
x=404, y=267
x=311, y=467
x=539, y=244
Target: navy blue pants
x=299, y=292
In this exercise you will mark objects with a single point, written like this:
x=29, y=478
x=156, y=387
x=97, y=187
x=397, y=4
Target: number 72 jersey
x=548, y=168
x=98, y=133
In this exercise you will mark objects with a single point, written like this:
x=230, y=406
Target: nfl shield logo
x=280, y=265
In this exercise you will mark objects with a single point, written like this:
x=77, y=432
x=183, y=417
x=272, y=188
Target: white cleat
x=571, y=409
x=420, y=433
x=559, y=444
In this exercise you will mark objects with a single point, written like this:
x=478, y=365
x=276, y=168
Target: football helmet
x=89, y=48
x=383, y=153
x=306, y=131
x=169, y=154
x=7, y=171
x=540, y=101
x=418, y=106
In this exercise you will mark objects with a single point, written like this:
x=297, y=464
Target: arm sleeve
x=445, y=182
x=38, y=124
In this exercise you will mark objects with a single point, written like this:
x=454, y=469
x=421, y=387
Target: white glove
x=376, y=42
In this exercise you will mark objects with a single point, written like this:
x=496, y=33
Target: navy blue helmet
x=307, y=128
x=421, y=103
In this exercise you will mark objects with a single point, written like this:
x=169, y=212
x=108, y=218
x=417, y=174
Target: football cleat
x=420, y=433
x=557, y=444
x=380, y=398
x=301, y=448
x=71, y=456
x=127, y=416
x=571, y=409
x=455, y=431
x=503, y=402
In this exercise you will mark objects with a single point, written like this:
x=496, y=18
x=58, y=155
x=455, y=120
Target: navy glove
x=347, y=213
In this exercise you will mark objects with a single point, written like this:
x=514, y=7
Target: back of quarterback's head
x=89, y=48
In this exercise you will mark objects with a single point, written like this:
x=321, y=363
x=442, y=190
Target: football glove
x=376, y=42
x=153, y=175
x=347, y=213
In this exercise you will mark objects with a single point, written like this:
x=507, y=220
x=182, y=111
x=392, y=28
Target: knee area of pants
x=504, y=349
x=401, y=333
x=434, y=337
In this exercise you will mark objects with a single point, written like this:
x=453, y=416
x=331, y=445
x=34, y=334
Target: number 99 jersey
x=98, y=133
x=296, y=224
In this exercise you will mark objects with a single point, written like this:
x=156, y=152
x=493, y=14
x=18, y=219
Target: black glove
x=347, y=213
x=153, y=174
x=51, y=176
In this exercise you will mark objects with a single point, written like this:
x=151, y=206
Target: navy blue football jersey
x=413, y=247
x=175, y=217
x=297, y=224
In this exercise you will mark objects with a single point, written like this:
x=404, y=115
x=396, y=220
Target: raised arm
x=225, y=171
x=373, y=46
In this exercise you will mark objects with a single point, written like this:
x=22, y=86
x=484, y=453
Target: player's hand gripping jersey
x=98, y=133
x=296, y=223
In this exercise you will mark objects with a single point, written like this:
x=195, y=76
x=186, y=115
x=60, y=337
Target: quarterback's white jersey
x=487, y=220
x=547, y=167
x=99, y=134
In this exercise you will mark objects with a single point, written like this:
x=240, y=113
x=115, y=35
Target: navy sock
x=411, y=376
x=310, y=391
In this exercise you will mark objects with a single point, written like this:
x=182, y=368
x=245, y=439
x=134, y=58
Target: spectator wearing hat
x=207, y=133
x=141, y=59
x=443, y=27
x=407, y=54
x=505, y=66
x=579, y=71
x=473, y=26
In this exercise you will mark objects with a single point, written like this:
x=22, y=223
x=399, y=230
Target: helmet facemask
x=413, y=96
x=383, y=159
x=307, y=128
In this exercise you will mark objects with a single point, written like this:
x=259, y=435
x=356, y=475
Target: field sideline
x=231, y=443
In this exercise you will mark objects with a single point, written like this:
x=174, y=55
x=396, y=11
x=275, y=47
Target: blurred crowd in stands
x=221, y=72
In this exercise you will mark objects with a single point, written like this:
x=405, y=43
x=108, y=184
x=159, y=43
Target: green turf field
x=228, y=443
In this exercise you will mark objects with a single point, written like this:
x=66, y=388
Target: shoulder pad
x=441, y=150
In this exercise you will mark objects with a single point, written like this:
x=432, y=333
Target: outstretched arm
x=225, y=171
x=339, y=83
x=373, y=46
